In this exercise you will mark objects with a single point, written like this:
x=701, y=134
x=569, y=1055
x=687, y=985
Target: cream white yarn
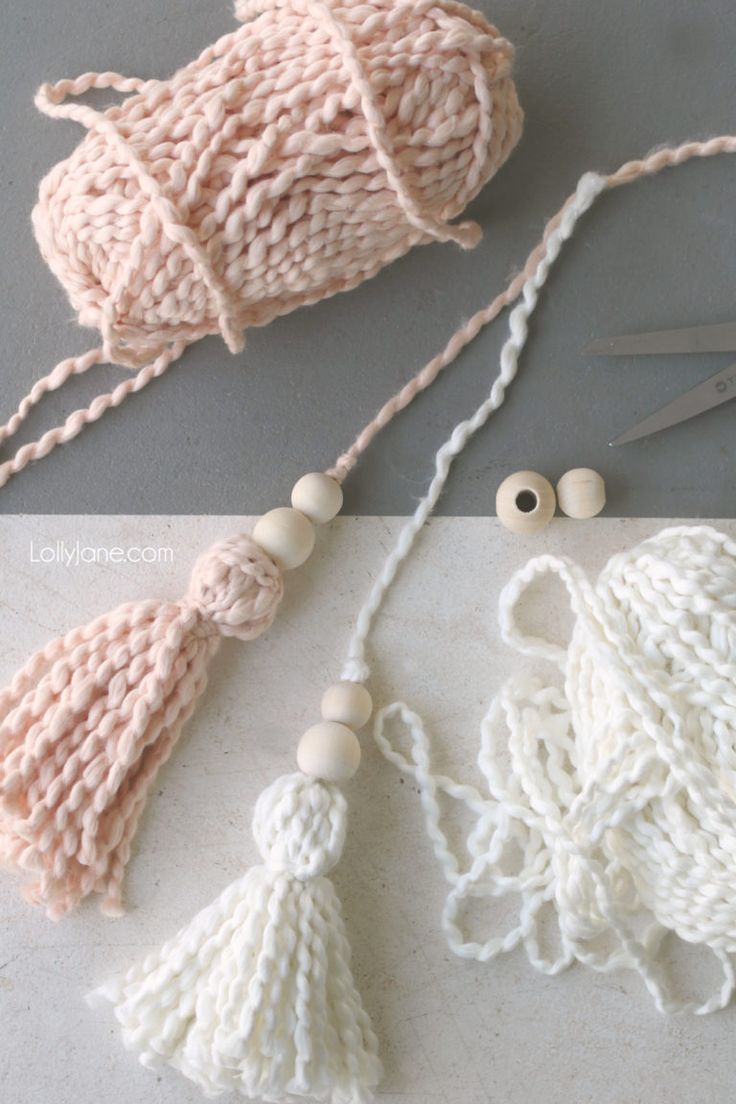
x=610, y=793
x=255, y=995
x=618, y=786
x=589, y=187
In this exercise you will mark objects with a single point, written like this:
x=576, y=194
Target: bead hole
x=526, y=502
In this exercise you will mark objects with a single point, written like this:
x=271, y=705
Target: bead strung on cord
x=318, y=497
x=330, y=749
x=347, y=702
x=286, y=534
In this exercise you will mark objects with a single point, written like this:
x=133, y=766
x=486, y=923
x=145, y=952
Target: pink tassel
x=89, y=720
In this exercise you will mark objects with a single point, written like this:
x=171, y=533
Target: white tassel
x=256, y=995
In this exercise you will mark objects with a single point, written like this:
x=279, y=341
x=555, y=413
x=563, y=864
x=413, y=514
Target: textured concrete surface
x=600, y=83
x=450, y=1031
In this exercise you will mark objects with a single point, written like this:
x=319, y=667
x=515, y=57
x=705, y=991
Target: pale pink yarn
x=91, y=717
x=290, y=161
x=664, y=157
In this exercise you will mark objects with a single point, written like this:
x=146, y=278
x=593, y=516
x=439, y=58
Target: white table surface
x=450, y=1031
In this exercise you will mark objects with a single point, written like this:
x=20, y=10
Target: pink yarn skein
x=291, y=160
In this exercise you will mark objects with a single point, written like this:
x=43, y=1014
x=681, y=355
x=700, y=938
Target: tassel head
x=236, y=587
x=299, y=825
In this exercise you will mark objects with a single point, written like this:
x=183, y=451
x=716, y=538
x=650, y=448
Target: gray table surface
x=220, y=434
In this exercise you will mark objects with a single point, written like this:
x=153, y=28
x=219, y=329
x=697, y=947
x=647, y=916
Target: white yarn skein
x=255, y=995
x=618, y=787
x=583, y=809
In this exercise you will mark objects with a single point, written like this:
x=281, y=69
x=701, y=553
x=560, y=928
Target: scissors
x=720, y=388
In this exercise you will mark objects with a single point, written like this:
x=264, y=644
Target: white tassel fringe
x=255, y=995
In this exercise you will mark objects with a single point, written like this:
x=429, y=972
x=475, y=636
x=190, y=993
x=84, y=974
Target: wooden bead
x=286, y=535
x=525, y=502
x=581, y=493
x=317, y=496
x=329, y=750
x=347, y=702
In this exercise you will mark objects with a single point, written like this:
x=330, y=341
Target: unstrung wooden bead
x=581, y=493
x=347, y=702
x=525, y=502
x=329, y=750
x=317, y=496
x=286, y=535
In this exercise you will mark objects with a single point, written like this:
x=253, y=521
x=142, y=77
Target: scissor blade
x=712, y=392
x=719, y=338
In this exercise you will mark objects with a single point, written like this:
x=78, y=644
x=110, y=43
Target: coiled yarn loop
x=616, y=790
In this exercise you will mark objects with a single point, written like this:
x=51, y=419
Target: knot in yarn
x=236, y=587
x=291, y=160
x=299, y=824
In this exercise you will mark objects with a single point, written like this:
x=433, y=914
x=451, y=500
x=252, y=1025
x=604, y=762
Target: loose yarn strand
x=429, y=373
x=72, y=366
x=526, y=284
x=628, y=173
x=590, y=186
x=76, y=421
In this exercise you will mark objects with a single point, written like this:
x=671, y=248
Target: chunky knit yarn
x=255, y=995
x=291, y=160
x=608, y=793
x=30, y=796
x=86, y=724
